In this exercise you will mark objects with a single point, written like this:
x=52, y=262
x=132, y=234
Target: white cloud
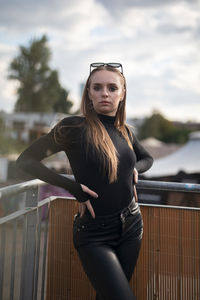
x=156, y=42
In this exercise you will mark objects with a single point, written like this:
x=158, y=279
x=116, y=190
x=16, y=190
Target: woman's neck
x=106, y=119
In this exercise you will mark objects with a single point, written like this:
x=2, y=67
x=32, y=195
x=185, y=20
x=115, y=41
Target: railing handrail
x=169, y=186
x=145, y=184
x=20, y=187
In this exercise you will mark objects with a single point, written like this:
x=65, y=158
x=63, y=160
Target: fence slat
x=44, y=258
x=2, y=257
x=12, y=280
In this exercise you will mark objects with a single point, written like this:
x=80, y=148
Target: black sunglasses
x=100, y=64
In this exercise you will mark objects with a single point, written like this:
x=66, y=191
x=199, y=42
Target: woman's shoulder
x=71, y=121
x=70, y=126
x=130, y=131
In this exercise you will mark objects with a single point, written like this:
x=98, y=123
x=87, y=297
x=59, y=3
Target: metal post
x=2, y=258
x=28, y=268
x=12, y=279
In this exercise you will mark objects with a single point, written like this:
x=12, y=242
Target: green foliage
x=39, y=89
x=7, y=144
x=10, y=146
x=1, y=124
x=162, y=129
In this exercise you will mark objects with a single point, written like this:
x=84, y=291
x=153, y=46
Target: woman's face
x=106, y=90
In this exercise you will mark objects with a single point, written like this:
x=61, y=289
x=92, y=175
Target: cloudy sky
x=157, y=41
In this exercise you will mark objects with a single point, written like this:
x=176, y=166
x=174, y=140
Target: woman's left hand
x=135, y=181
x=87, y=204
x=81, y=208
x=135, y=176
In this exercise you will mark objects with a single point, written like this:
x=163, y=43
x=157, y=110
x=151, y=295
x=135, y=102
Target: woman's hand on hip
x=135, y=181
x=83, y=205
x=135, y=176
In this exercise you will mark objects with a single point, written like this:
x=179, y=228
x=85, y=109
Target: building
x=180, y=166
x=159, y=149
x=27, y=127
x=30, y=126
x=185, y=160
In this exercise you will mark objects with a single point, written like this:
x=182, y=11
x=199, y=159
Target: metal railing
x=24, y=238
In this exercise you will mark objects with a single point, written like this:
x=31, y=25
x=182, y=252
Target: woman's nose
x=105, y=92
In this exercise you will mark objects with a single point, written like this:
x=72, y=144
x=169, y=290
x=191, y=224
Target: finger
x=89, y=191
x=79, y=208
x=90, y=208
x=136, y=178
x=135, y=194
x=82, y=209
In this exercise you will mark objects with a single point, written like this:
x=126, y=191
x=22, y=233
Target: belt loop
x=122, y=217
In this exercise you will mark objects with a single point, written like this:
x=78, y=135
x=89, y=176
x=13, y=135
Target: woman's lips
x=104, y=102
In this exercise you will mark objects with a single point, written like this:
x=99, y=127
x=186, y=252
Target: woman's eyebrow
x=112, y=83
x=109, y=83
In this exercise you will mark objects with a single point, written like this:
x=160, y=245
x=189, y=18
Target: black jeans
x=108, y=247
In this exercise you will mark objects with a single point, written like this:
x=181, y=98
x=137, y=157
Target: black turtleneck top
x=86, y=164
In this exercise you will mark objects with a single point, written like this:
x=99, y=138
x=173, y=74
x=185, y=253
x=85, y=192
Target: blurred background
x=45, y=51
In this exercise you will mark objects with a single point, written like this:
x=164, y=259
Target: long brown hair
x=96, y=132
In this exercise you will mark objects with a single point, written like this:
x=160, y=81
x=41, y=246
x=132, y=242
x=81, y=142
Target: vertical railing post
x=29, y=247
x=2, y=257
x=12, y=276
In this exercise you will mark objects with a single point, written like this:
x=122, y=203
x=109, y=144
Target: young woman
x=105, y=157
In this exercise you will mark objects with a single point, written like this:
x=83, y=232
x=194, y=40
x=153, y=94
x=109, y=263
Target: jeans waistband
x=133, y=207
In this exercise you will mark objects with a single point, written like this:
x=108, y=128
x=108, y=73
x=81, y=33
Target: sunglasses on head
x=100, y=64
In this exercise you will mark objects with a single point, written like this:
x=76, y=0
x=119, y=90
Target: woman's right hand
x=83, y=205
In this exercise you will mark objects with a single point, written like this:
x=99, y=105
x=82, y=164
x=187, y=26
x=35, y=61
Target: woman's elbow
x=148, y=164
x=150, y=161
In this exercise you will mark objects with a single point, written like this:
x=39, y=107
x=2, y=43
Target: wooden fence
x=169, y=263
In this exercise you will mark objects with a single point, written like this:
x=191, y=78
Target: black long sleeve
x=87, y=165
x=30, y=162
x=144, y=160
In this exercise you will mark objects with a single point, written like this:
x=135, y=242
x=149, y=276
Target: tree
x=39, y=89
x=159, y=127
